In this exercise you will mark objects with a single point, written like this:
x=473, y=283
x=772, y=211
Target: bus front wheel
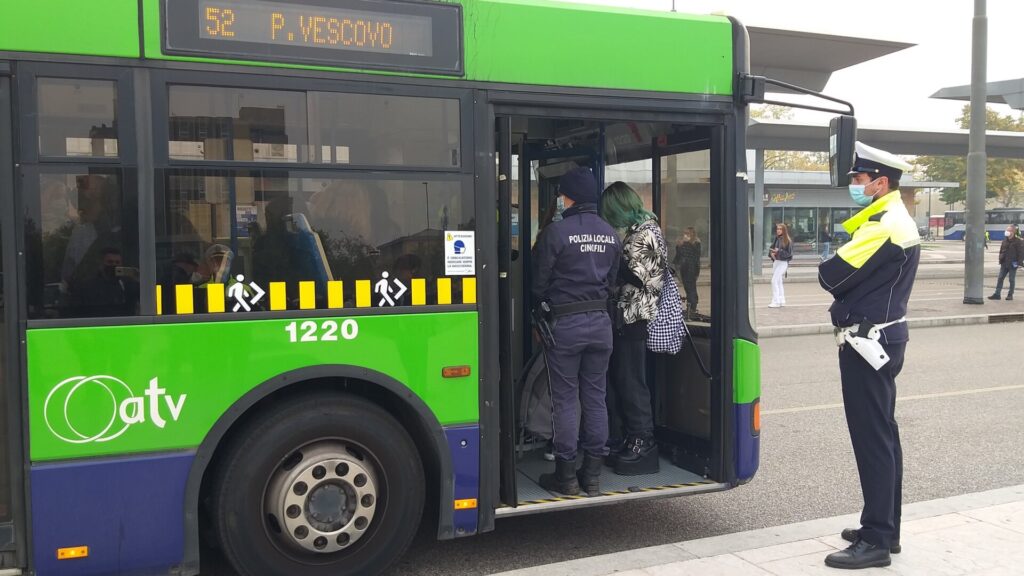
x=321, y=485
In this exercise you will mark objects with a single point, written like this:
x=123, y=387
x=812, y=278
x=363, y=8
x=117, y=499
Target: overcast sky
x=941, y=31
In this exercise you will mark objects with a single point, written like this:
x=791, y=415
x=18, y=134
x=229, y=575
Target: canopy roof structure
x=1005, y=92
x=808, y=59
x=785, y=135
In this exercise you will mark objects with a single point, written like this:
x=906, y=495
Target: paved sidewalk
x=934, y=302
x=970, y=535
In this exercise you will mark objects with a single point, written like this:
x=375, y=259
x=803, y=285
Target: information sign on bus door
x=415, y=36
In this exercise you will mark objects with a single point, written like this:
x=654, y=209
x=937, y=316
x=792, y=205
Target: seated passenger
x=112, y=290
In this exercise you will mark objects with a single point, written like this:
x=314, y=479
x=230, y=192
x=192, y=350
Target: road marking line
x=898, y=399
x=823, y=303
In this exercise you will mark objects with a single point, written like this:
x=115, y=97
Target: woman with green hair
x=637, y=292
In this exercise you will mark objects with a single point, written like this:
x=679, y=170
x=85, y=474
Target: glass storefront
x=813, y=230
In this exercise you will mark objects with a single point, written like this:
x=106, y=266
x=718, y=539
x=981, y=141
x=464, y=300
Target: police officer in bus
x=870, y=278
x=575, y=264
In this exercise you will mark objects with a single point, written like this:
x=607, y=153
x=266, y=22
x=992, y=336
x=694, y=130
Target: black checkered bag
x=666, y=332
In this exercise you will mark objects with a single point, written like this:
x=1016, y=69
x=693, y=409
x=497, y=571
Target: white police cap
x=870, y=160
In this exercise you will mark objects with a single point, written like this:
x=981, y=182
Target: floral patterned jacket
x=642, y=272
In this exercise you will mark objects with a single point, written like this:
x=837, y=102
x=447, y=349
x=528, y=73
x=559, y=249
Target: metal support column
x=758, y=245
x=974, y=258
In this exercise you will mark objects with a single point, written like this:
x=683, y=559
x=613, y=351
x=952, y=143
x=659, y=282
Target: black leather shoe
x=563, y=480
x=859, y=555
x=1010, y=297
x=640, y=456
x=853, y=534
x=590, y=475
x=994, y=297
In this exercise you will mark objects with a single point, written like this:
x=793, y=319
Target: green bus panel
x=127, y=389
x=746, y=372
x=84, y=27
x=556, y=44
x=539, y=42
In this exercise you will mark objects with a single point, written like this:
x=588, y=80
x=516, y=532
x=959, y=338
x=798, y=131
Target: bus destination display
x=358, y=33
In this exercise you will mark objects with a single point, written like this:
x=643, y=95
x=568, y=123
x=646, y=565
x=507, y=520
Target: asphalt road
x=961, y=394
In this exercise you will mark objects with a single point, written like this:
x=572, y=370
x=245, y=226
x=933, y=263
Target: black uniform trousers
x=869, y=397
x=577, y=373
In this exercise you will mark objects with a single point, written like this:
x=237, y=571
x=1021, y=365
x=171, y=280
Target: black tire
x=251, y=536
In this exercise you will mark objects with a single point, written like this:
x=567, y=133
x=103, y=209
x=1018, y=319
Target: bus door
x=687, y=406
x=12, y=552
x=508, y=296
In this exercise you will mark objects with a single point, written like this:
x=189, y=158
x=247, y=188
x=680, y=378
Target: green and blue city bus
x=266, y=268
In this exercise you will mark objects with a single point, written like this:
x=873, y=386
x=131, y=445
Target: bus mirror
x=842, y=137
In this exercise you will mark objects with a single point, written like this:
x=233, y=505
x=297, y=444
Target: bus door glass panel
x=684, y=404
x=5, y=471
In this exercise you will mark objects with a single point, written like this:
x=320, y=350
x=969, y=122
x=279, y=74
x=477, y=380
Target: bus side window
x=82, y=239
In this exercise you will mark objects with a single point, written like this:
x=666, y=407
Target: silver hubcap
x=322, y=498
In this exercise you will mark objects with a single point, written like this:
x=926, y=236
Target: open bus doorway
x=671, y=167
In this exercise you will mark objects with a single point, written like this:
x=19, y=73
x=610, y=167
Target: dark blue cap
x=579, y=185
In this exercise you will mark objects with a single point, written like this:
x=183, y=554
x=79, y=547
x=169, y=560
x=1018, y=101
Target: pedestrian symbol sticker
x=246, y=296
x=459, y=253
x=384, y=288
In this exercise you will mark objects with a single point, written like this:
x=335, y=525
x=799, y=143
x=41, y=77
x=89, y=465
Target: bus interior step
x=532, y=465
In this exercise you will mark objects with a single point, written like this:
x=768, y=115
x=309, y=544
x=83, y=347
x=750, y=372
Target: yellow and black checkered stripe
x=616, y=493
x=334, y=299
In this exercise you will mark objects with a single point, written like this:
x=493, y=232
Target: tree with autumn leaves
x=1005, y=180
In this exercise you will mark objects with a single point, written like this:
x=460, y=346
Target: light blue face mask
x=559, y=208
x=858, y=196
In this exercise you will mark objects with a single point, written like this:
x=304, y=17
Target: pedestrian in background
x=687, y=263
x=824, y=242
x=637, y=293
x=871, y=278
x=1011, y=255
x=781, y=253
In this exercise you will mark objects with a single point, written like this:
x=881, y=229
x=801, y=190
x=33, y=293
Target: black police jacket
x=576, y=259
x=872, y=275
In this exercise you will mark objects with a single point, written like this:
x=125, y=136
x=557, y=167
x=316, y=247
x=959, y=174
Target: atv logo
x=85, y=409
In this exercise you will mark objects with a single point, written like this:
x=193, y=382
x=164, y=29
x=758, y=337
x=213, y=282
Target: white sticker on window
x=459, y=253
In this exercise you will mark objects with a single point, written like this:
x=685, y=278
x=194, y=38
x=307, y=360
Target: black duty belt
x=579, y=307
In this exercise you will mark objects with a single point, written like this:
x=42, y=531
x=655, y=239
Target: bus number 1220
x=326, y=331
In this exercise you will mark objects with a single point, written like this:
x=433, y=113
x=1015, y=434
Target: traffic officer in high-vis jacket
x=871, y=277
x=575, y=264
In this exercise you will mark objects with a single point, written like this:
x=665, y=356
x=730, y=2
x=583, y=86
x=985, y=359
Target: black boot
x=590, y=474
x=563, y=480
x=640, y=456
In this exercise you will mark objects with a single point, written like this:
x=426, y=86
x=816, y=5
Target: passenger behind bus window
x=354, y=224
x=113, y=290
x=98, y=220
x=58, y=217
x=687, y=263
x=183, y=270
